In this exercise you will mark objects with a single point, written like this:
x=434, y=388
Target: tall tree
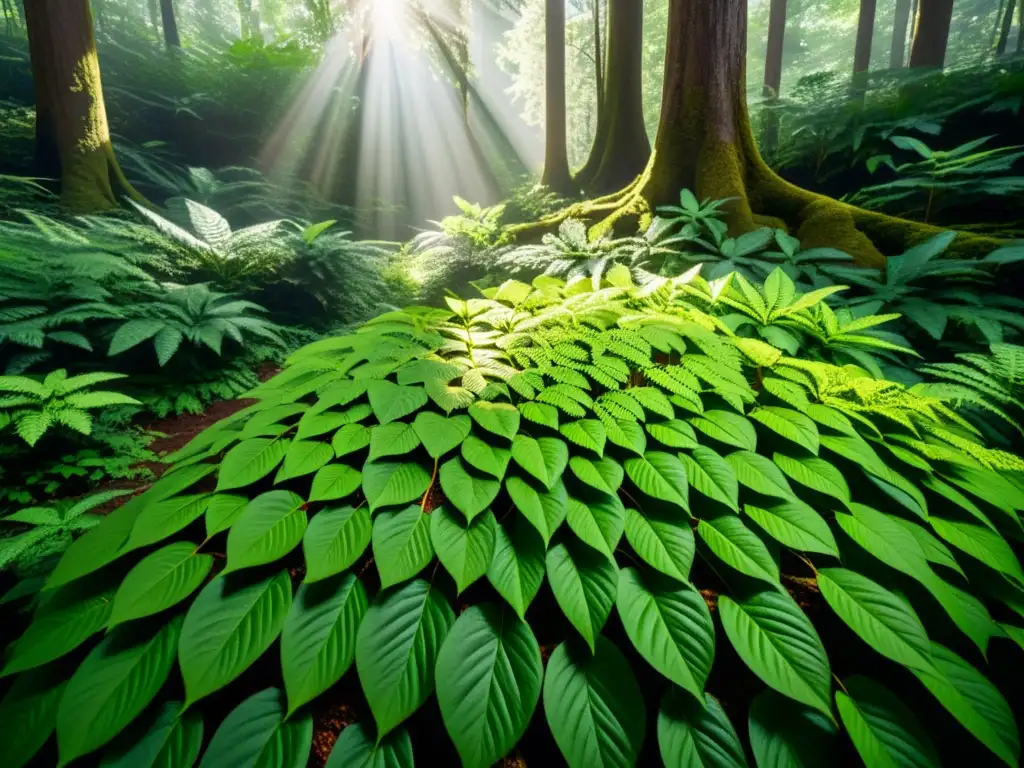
x=154, y=17
x=244, y=16
x=586, y=174
x=1004, y=31
x=72, y=134
x=556, y=154
x=170, y=22
x=1020, y=28
x=931, y=33
x=773, y=70
x=900, y=22
x=865, y=33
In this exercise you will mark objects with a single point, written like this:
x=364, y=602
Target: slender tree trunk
x=915, y=14
x=556, y=156
x=773, y=71
x=154, y=18
x=598, y=55
x=997, y=25
x=72, y=134
x=586, y=174
x=1020, y=28
x=171, y=37
x=255, y=23
x=901, y=20
x=244, y=14
x=931, y=34
x=865, y=33
x=1004, y=33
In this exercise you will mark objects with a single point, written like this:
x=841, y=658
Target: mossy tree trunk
x=931, y=33
x=72, y=135
x=773, y=70
x=171, y=37
x=556, y=154
x=1004, y=31
x=900, y=22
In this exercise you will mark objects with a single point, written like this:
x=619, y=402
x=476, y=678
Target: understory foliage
x=605, y=471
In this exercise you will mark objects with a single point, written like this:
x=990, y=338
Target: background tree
x=773, y=70
x=1004, y=30
x=901, y=20
x=170, y=22
x=586, y=174
x=72, y=135
x=865, y=33
x=931, y=33
x=556, y=159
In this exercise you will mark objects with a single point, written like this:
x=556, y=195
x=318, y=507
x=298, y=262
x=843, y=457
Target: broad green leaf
x=540, y=413
x=269, y=528
x=440, y=434
x=350, y=439
x=255, y=734
x=318, y=639
x=666, y=545
x=516, y=569
x=886, y=540
x=222, y=510
x=28, y=713
x=335, y=481
x=934, y=550
x=394, y=439
x=488, y=683
x=815, y=473
x=790, y=424
x=335, y=538
x=779, y=645
x=712, y=476
x=973, y=701
x=232, y=621
x=303, y=458
x=390, y=483
x=624, y=433
x=968, y=613
x=586, y=433
x=164, y=738
x=785, y=734
x=355, y=748
x=396, y=650
x=980, y=543
x=603, y=474
x=545, y=511
x=594, y=707
x=598, y=522
x=470, y=494
x=759, y=474
x=392, y=401
x=316, y=423
x=883, y=620
x=165, y=518
x=544, y=458
x=464, y=549
x=500, y=418
x=737, y=546
x=112, y=686
x=661, y=476
x=584, y=583
x=160, y=580
x=795, y=525
x=670, y=625
x=728, y=428
x=674, y=433
x=251, y=460
x=694, y=735
x=883, y=728
x=481, y=456
x=401, y=544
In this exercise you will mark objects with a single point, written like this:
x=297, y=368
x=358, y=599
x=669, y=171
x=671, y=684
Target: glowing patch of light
x=387, y=19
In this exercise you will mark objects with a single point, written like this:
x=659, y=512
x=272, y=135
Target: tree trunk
x=865, y=33
x=556, y=157
x=154, y=17
x=1004, y=32
x=773, y=71
x=997, y=25
x=898, y=51
x=72, y=135
x=244, y=13
x=1020, y=28
x=171, y=37
x=598, y=56
x=586, y=174
x=931, y=34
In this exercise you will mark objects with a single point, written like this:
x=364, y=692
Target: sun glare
x=387, y=19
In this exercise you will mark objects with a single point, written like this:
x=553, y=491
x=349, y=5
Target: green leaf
x=882, y=728
x=355, y=748
x=666, y=545
x=251, y=460
x=390, y=483
x=795, y=524
x=815, y=473
x=269, y=528
x=759, y=474
x=624, y=433
x=396, y=650
x=545, y=511
x=584, y=583
x=594, y=707
x=255, y=734
x=480, y=455
x=545, y=458
x=736, y=545
x=304, y=457
x=883, y=620
x=165, y=518
x=159, y=581
x=394, y=439
x=28, y=713
x=790, y=424
x=516, y=569
x=981, y=543
x=973, y=701
x=728, y=428
x=229, y=625
x=586, y=433
x=540, y=413
x=784, y=734
x=439, y=434
x=166, y=738
x=350, y=439
x=673, y=433
x=712, y=476
x=779, y=645
x=468, y=493
x=222, y=510
x=886, y=540
x=661, y=476
x=112, y=686
x=318, y=639
x=500, y=418
x=401, y=544
x=392, y=401
x=670, y=625
x=598, y=522
x=335, y=481
x=603, y=474
x=335, y=538
x=488, y=683
x=694, y=735
x=464, y=549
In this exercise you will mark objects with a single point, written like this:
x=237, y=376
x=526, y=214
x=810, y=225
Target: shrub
x=595, y=441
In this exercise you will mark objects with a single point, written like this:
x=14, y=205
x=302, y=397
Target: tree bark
x=901, y=20
x=171, y=36
x=72, y=134
x=865, y=33
x=556, y=156
x=154, y=17
x=931, y=33
x=1020, y=28
x=244, y=13
x=1004, y=32
x=773, y=71
x=586, y=174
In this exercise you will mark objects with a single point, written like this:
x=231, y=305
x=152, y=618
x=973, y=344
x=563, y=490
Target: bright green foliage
x=600, y=438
